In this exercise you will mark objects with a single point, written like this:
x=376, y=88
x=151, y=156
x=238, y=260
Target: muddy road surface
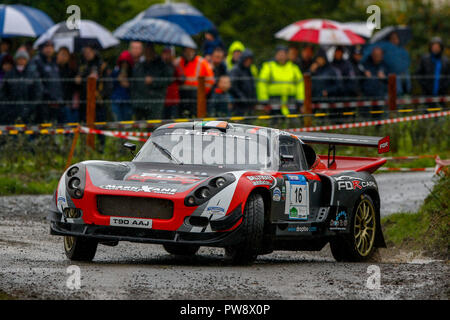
x=33, y=265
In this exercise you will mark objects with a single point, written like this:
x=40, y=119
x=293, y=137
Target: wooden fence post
x=201, y=98
x=307, y=103
x=72, y=148
x=90, y=109
x=392, y=92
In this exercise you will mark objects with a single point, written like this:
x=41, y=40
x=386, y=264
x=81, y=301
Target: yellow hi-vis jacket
x=284, y=81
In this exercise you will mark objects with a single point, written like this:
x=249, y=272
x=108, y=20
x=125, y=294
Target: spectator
x=376, y=71
x=234, y=53
x=191, y=67
x=172, y=100
x=136, y=49
x=67, y=66
x=29, y=48
x=243, y=88
x=306, y=58
x=434, y=70
x=21, y=87
x=281, y=83
x=212, y=41
x=6, y=65
x=324, y=78
x=120, y=105
x=217, y=63
x=5, y=48
x=150, y=88
x=47, y=69
x=93, y=65
x=219, y=104
x=293, y=54
x=345, y=73
x=356, y=56
x=403, y=76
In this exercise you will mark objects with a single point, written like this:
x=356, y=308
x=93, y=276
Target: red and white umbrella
x=319, y=31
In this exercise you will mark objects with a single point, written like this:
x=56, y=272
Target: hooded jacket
x=427, y=68
x=20, y=87
x=243, y=84
x=235, y=46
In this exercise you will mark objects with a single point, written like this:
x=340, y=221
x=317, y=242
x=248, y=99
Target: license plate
x=130, y=222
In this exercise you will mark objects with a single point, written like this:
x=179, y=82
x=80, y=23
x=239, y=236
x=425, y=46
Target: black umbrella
x=403, y=32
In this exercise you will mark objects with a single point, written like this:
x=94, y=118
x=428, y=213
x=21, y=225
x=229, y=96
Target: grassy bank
x=427, y=230
x=4, y=296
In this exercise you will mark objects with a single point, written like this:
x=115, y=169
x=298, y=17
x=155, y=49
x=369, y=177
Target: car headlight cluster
x=74, y=185
x=208, y=189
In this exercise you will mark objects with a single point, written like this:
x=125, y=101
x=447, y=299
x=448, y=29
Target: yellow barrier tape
x=434, y=109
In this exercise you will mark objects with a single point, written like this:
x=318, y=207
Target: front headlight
x=203, y=193
x=220, y=182
x=207, y=189
x=75, y=181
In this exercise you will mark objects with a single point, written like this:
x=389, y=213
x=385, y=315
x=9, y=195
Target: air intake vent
x=135, y=207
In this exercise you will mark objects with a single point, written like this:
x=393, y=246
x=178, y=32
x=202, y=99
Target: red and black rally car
x=248, y=189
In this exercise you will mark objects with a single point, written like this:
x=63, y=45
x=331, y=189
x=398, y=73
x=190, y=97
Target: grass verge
x=427, y=230
x=4, y=296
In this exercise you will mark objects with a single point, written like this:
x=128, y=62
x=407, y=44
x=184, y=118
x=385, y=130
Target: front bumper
x=113, y=233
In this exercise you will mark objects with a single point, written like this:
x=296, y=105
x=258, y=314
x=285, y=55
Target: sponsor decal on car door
x=297, y=197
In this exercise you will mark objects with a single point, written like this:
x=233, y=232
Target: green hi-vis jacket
x=284, y=81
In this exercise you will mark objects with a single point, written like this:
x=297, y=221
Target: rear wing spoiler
x=381, y=143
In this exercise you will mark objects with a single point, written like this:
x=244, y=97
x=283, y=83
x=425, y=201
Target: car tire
x=79, y=248
x=252, y=226
x=181, y=249
x=359, y=244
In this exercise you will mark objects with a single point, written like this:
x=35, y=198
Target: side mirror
x=130, y=146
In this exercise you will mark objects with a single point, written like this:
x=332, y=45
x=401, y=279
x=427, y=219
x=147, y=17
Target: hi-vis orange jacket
x=192, y=70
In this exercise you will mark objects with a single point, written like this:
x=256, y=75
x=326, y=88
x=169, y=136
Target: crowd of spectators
x=50, y=85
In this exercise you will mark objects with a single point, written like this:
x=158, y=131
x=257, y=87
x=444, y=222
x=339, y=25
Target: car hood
x=115, y=175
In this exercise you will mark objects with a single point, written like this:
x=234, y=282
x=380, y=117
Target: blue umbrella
x=22, y=21
x=154, y=31
x=396, y=58
x=187, y=17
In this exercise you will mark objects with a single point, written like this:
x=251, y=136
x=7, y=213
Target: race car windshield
x=237, y=150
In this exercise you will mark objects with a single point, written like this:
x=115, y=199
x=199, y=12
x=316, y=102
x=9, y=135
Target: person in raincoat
x=234, y=54
x=148, y=90
x=434, y=70
x=325, y=79
x=21, y=87
x=243, y=89
x=281, y=83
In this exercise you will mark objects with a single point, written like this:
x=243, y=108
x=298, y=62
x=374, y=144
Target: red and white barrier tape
x=370, y=123
x=373, y=103
x=410, y=157
x=129, y=135
x=407, y=169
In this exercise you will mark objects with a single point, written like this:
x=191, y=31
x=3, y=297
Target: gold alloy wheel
x=364, y=228
x=69, y=242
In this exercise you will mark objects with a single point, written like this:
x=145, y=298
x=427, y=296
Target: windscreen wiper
x=167, y=153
